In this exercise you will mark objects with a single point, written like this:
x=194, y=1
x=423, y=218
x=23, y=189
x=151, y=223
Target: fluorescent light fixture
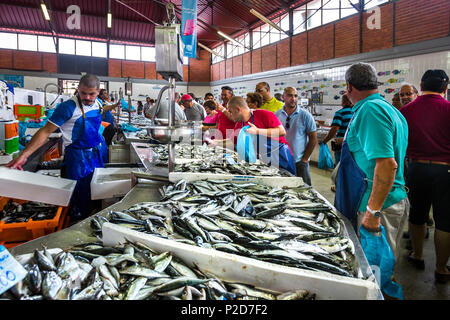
x=261, y=17
x=209, y=50
x=109, y=20
x=230, y=38
x=45, y=12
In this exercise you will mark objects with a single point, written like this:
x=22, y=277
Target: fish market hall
x=186, y=151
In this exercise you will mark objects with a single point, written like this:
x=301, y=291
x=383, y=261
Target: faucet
x=45, y=92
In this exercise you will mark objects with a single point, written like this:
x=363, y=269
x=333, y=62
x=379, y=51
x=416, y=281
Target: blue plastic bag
x=245, y=147
x=325, y=157
x=382, y=261
x=126, y=127
x=125, y=106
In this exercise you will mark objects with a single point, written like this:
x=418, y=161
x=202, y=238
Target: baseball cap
x=434, y=80
x=186, y=97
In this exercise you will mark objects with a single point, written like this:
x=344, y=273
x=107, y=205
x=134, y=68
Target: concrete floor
x=416, y=284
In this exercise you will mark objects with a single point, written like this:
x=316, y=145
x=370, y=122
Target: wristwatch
x=375, y=213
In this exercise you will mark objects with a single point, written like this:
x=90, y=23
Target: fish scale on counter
x=291, y=227
x=131, y=271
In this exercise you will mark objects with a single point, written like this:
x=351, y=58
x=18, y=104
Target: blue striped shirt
x=341, y=119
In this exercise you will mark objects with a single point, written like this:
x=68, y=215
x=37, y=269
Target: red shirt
x=224, y=125
x=428, y=120
x=262, y=119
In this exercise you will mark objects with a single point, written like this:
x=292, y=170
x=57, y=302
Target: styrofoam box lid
x=32, y=186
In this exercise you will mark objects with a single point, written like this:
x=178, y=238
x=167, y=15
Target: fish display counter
x=263, y=236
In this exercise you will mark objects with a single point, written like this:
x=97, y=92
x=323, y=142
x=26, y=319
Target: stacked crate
x=9, y=136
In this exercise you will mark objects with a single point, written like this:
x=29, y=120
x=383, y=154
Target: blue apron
x=283, y=156
x=350, y=187
x=81, y=158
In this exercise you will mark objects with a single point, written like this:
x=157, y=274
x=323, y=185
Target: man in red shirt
x=428, y=176
x=225, y=124
x=268, y=130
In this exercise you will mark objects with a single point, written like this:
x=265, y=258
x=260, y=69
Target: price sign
x=11, y=272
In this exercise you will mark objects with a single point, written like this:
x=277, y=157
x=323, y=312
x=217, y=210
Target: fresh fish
x=135, y=287
x=43, y=261
x=51, y=284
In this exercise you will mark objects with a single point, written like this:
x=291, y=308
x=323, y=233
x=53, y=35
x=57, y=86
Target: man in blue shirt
x=377, y=139
x=300, y=132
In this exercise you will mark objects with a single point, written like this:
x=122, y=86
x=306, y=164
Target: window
x=373, y=3
x=116, y=51
x=245, y=41
x=347, y=9
x=99, y=50
x=299, y=17
x=67, y=46
x=314, y=14
x=46, y=44
x=230, y=50
x=83, y=48
x=265, y=35
x=284, y=24
x=8, y=40
x=256, y=43
x=132, y=53
x=27, y=42
x=220, y=51
x=148, y=54
x=330, y=11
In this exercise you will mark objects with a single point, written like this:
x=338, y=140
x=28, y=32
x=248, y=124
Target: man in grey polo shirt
x=300, y=132
x=193, y=111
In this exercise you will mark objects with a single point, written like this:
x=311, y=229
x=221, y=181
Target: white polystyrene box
x=234, y=268
x=33, y=186
x=110, y=182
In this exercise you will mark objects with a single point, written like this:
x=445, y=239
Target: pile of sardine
x=291, y=227
x=143, y=135
x=128, y=272
x=13, y=212
x=214, y=160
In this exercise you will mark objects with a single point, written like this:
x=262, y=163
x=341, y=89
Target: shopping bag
x=381, y=260
x=325, y=157
x=245, y=147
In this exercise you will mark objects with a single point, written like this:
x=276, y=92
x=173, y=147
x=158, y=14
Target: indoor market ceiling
x=131, y=20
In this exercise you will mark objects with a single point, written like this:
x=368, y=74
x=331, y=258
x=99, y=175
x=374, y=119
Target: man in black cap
x=428, y=177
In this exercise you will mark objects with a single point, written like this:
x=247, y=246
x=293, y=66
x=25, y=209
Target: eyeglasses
x=287, y=122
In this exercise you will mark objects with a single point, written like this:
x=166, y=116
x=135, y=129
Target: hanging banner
x=189, y=27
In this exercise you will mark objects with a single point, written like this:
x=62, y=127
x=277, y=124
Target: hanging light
x=261, y=17
x=230, y=38
x=209, y=50
x=109, y=20
x=45, y=11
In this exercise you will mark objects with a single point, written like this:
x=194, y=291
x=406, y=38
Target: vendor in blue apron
x=271, y=145
x=79, y=120
x=370, y=184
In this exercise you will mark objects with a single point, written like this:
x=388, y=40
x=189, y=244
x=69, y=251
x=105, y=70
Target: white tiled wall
x=331, y=81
